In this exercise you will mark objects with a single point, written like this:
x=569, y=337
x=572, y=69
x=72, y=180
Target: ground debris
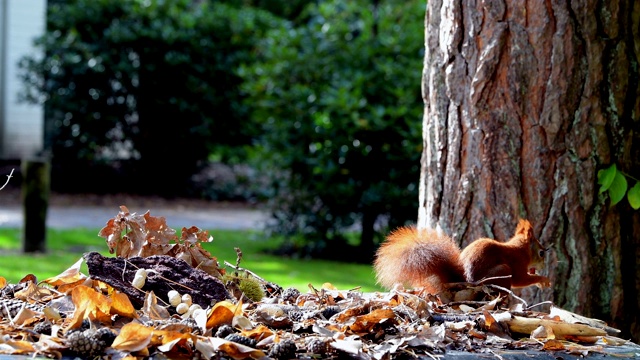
x=162, y=305
x=164, y=273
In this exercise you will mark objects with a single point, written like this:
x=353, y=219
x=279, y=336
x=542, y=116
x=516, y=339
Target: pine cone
x=224, y=330
x=286, y=349
x=290, y=295
x=43, y=327
x=296, y=315
x=90, y=342
x=11, y=307
x=237, y=338
x=317, y=345
x=105, y=336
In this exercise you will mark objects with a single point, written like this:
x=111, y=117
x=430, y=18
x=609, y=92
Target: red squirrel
x=428, y=259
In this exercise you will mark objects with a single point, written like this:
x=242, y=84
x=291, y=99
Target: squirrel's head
x=524, y=232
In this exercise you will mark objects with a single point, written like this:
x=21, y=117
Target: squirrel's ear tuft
x=524, y=227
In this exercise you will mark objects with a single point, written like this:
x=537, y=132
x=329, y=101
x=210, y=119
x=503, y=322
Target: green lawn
x=67, y=246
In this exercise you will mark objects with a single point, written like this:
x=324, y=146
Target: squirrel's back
x=418, y=258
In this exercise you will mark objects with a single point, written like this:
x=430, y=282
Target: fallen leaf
x=223, y=313
x=121, y=305
x=350, y=346
x=366, y=323
x=33, y=292
x=29, y=277
x=24, y=316
x=16, y=347
x=70, y=276
x=90, y=304
x=235, y=350
x=553, y=345
x=258, y=333
x=152, y=309
x=133, y=337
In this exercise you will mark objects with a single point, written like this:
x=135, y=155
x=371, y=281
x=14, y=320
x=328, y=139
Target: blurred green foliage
x=148, y=85
x=338, y=100
x=321, y=97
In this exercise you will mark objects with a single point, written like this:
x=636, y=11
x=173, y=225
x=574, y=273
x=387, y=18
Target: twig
x=467, y=302
x=539, y=304
x=238, y=256
x=510, y=293
x=237, y=268
x=483, y=280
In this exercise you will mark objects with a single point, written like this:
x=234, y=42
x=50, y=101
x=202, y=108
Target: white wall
x=21, y=125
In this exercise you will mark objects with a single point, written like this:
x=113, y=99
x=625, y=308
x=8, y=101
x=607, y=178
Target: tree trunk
x=35, y=202
x=524, y=103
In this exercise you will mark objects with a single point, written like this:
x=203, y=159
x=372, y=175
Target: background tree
x=523, y=106
x=337, y=99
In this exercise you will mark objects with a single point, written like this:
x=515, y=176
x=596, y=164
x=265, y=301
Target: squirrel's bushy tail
x=418, y=258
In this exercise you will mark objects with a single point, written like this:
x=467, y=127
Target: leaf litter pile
x=165, y=296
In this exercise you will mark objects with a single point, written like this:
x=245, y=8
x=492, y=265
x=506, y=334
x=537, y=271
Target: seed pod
x=197, y=312
x=186, y=299
x=174, y=298
x=182, y=308
x=141, y=273
x=139, y=279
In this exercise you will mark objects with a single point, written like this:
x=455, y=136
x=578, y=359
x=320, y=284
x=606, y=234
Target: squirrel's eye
x=541, y=253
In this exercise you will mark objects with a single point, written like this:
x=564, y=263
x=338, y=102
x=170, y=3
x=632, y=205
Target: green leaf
x=606, y=176
x=618, y=188
x=634, y=196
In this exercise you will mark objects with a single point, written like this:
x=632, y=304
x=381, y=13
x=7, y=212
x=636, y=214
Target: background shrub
x=140, y=92
x=338, y=101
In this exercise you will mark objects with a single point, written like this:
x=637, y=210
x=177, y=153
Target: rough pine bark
x=524, y=102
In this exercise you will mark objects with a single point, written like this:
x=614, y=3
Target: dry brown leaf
x=70, y=276
x=29, y=277
x=50, y=345
x=113, y=232
x=522, y=325
x=191, y=251
x=235, y=350
x=16, y=347
x=223, y=313
x=181, y=346
x=328, y=286
x=121, y=305
x=258, y=333
x=90, y=304
x=130, y=234
x=152, y=309
x=553, y=345
x=488, y=319
x=66, y=288
x=33, y=292
x=164, y=337
x=25, y=316
x=133, y=337
x=366, y=323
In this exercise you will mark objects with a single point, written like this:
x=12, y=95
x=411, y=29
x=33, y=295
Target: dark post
x=35, y=201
